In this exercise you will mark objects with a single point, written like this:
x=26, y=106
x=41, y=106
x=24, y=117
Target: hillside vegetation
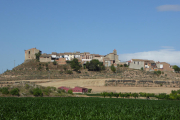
x=36, y=70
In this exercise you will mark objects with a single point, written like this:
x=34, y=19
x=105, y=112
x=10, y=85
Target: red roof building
x=75, y=90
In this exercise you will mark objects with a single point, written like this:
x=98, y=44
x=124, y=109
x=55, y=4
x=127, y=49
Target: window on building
x=29, y=52
x=138, y=63
x=134, y=62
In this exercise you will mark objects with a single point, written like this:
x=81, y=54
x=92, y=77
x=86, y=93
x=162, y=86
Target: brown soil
x=97, y=86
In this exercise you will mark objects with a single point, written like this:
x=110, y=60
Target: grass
x=88, y=108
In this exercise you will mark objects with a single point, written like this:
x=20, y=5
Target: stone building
x=163, y=66
x=30, y=53
x=45, y=58
x=111, y=58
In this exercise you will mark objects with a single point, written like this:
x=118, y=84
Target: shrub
x=142, y=68
x=70, y=91
x=61, y=91
x=135, y=95
x=54, y=63
x=61, y=72
x=27, y=86
x=69, y=72
x=39, y=68
x=47, y=91
x=162, y=96
x=14, y=91
x=113, y=68
x=37, y=92
x=5, y=90
x=125, y=65
x=157, y=72
x=65, y=67
x=104, y=94
x=0, y=89
x=89, y=90
x=116, y=95
x=121, y=65
x=142, y=94
x=47, y=68
x=75, y=65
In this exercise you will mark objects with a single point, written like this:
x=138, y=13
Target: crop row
x=87, y=108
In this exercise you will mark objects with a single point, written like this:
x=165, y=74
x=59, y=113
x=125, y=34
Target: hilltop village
x=108, y=60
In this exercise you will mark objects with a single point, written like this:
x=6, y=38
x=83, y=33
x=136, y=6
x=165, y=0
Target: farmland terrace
x=38, y=72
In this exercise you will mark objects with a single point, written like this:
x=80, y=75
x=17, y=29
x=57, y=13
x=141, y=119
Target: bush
x=5, y=90
x=70, y=91
x=125, y=65
x=27, y=86
x=75, y=65
x=69, y=72
x=61, y=91
x=39, y=68
x=61, y=72
x=104, y=94
x=0, y=89
x=95, y=65
x=142, y=68
x=157, y=72
x=135, y=95
x=37, y=92
x=116, y=95
x=15, y=91
x=113, y=68
x=47, y=91
x=54, y=63
x=47, y=68
x=89, y=90
x=142, y=94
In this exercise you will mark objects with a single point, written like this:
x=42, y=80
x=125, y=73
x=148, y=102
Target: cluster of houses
x=61, y=58
x=108, y=60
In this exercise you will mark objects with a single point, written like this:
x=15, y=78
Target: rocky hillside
x=37, y=70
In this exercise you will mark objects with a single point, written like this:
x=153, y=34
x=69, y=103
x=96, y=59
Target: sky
x=135, y=28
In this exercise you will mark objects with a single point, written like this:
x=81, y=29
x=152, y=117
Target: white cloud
x=164, y=55
x=168, y=8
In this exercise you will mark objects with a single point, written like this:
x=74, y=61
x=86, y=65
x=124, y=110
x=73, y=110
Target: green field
x=88, y=108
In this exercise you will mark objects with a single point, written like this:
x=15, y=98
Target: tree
x=110, y=94
x=37, y=92
x=95, y=65
x=54, y=63
x=113, y=68
x=135, y=95
x=70, y=91
x=104, y=94
x=125, y=65
x=89, y=90
x=116, y=95
x=176, y=68
x=75, y=65
x=122, y=95
x=87, y=64
x=38, y=55
x=14, y=91
x=142, y=68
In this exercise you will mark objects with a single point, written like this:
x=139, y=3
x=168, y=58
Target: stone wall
x=143, y=83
